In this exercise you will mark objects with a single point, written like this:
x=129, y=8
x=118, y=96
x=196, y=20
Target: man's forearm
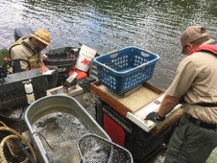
x=167, y=105
x=41, y=63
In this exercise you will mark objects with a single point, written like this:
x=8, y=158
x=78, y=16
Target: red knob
x=5, y=59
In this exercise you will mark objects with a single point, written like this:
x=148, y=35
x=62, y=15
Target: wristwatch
x=159, y=118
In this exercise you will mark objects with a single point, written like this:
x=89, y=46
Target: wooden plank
x=119, y=107
x=153, y=88
x=59, y=90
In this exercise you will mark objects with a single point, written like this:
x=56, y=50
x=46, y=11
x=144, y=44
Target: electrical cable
x=22, y=111
x=44, y=139
x=25, y=151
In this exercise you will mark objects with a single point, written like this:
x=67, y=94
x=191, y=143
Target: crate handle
x=113, y=55
x=145, y=54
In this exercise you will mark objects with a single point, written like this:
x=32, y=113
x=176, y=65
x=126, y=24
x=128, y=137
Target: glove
x=153, y=116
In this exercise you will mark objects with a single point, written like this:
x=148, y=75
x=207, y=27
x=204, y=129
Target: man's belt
x=202, y=124
x=207, y=104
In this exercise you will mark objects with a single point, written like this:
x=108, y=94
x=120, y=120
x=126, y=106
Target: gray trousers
x=52, y=79
x=190, y=143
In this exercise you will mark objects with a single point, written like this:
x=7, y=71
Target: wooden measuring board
x=124, y=104
x=136, y=105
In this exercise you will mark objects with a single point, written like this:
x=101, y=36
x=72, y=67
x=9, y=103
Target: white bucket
x=85, y=57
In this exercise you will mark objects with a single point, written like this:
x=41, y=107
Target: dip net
x=93, y=148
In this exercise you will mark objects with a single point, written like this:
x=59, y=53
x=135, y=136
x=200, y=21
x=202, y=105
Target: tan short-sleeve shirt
x=196, y=81
x=20, y=52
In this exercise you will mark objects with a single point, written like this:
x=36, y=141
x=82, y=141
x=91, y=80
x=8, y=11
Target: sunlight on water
x=61, y=130
x=110, y=25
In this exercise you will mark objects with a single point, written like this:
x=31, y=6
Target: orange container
x=81, y=74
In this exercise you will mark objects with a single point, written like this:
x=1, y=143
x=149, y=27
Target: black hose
x=25, y=151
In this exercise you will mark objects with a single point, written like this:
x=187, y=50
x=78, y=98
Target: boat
x=19, y=119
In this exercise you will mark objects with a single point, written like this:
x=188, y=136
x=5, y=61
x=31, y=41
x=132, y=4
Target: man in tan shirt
x=30, y=49
x=196, y=83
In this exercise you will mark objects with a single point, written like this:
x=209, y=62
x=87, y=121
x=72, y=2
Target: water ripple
x=107, y=25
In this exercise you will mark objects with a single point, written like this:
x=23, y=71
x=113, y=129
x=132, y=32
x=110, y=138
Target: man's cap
x=42, y=35
x=191, y=34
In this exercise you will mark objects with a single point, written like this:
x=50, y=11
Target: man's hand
x=43, y=69
x=153, y=116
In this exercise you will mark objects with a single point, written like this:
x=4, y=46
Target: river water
x=108, y=25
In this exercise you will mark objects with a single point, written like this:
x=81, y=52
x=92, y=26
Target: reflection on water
x=61, y=130
x=109, y=25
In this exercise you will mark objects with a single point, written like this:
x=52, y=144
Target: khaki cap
x=191, y=34
x=42, y=35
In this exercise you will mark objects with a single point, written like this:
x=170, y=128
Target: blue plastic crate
x=125, y=69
